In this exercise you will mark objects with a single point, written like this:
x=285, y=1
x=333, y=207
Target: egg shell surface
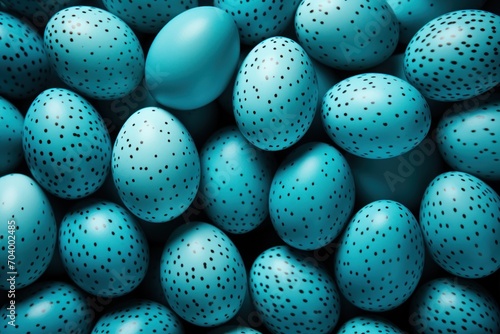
x=155, y=165
x=275, y=94
x=192, y=58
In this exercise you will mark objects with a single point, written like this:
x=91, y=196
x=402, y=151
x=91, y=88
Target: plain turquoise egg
x=192, y=59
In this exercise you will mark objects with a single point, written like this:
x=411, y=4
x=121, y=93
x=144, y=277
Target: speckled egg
x=455, y=56
x=292, y=293
x=139, y=316
x=469, y=140
x=66, y=144
x=258, y=20
x=49, y=307
x=11, y=136
x=94, y=52
x=375, y=115
x=381, y=257
x=312, y=196
x=155, y=165
x=24, y=65
x=235, y=181
x=28, y=231
x=459, y=217
x=451, y=305
x=203, y=275
x=275, y=94
x=413, y=14
x=103, y=249
x=368, y=324
x=193, y=57
x=148, y=16
x=347, y=35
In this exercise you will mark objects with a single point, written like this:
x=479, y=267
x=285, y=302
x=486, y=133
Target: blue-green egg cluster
x=244, y=166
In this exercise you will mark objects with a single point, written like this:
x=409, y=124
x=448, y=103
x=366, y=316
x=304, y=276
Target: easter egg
x=49, y=307
x=103, y=249
x=275, y=94
x=11, y=137
x=368, y=324
x=292, y=293
x=94, y=52
x=148, y=16
x=28, y=231
x=66, y=144
x=347, y=35
x=139, y=316
x=155, y=165
x=258, y=20
x=451, y=305
x=413, y=14
x=192, y=58
x=235, y=181
x=203, y=275
x=312, y=196
x=459, y=217
x=24, y=64
x=455, y=56
x=375, y=115
x=381, y=257
x=469, y=140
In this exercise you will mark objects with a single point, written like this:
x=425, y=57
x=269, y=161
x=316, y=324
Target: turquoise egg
x=468, y=137
x=24, y=65
x=28, y=231
x=103, y=248
x=375, y=116
x=155, y=165
x=275, y=94
x=381, y=255
x=347, y=35
x=66, y=144
x=452, y=305
x=459, y=216
x=192, y=58
x=235, y=181
x=203, y=275
x=454, y=56
x=50, y=307
x=292, y=293
x=312, y=196
x=94, y=52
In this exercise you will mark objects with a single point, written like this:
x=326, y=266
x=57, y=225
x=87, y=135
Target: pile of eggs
x=185, y=166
